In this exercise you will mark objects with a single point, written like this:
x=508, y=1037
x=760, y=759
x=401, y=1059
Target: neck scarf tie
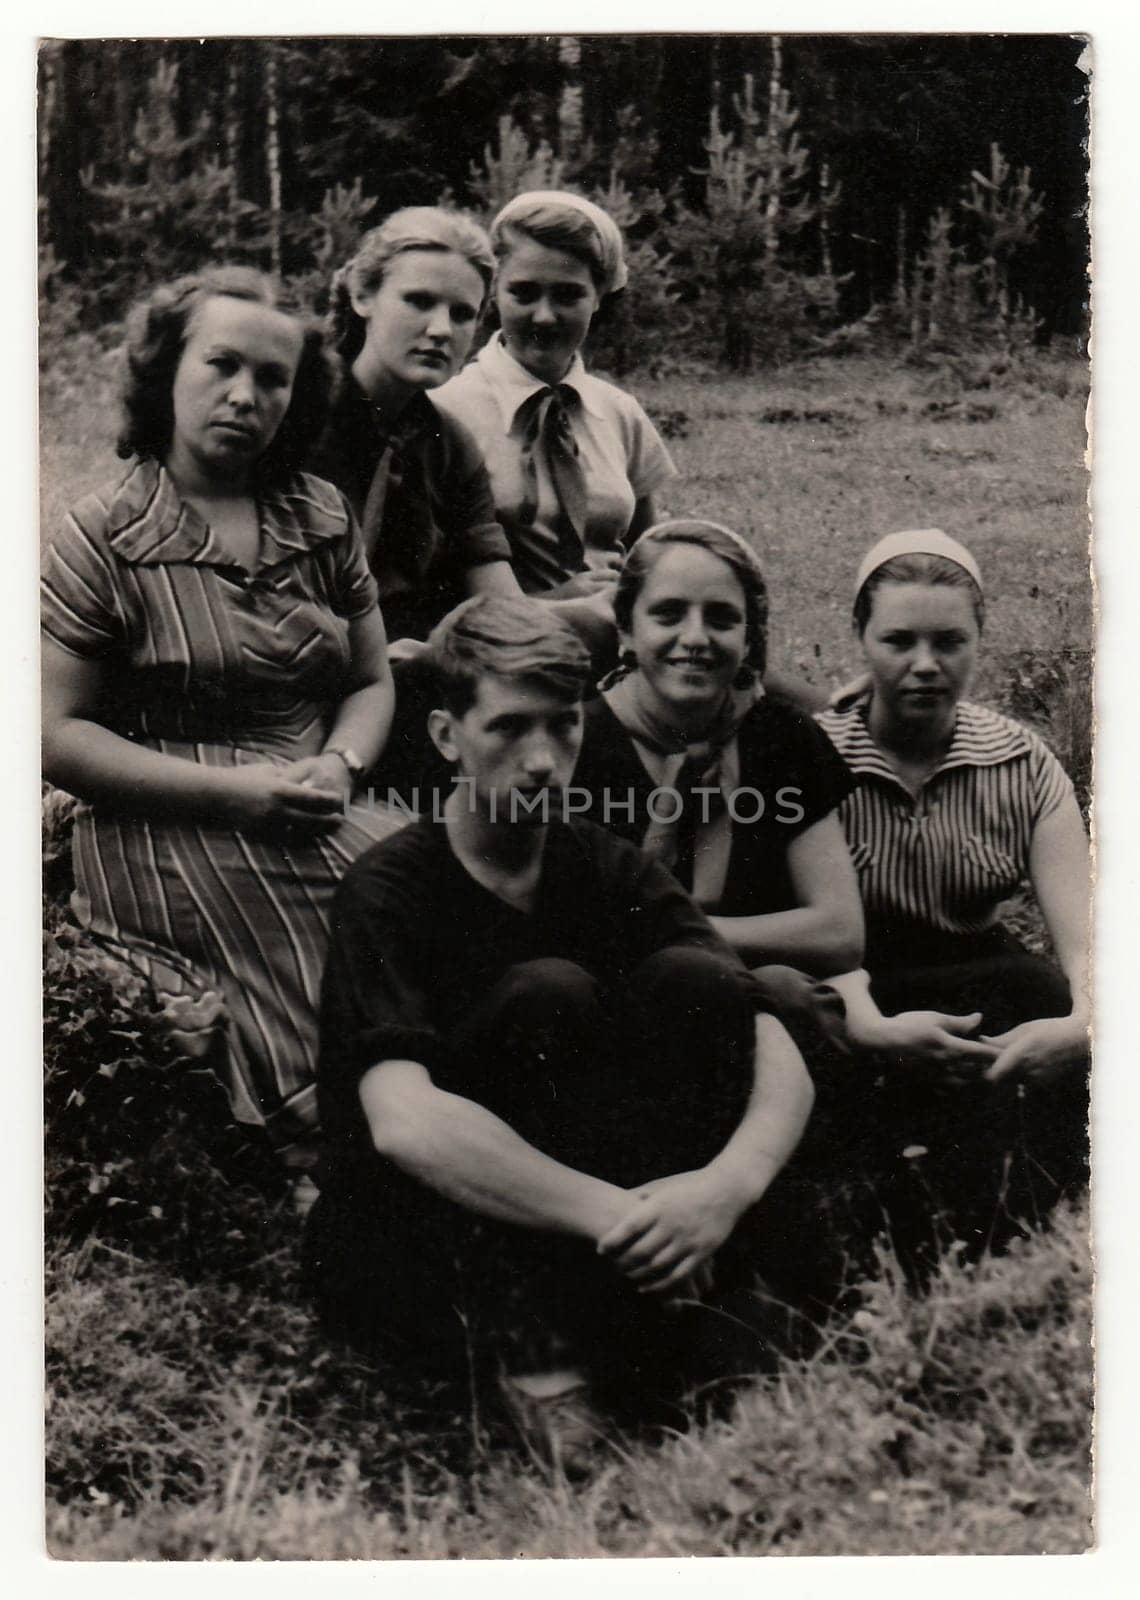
x=401, y=540
x=700, y=768
x=549, y=435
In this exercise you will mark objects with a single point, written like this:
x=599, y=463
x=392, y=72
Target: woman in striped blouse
x=954, y=807
x=215, y=677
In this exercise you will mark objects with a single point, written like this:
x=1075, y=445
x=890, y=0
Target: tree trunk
x=48, y=113
x=232, y=119
x=273, y=157
x=901, y=297
x=686, y=80
x=65, y=199
x=775, y=156
x=570, y=110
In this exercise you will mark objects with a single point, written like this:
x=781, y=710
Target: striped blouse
x=946, y=858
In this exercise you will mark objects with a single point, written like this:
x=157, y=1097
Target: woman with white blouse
x=574, y=460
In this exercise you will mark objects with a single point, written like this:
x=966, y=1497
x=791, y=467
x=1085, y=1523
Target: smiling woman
x=574, y=461
x=753, y=833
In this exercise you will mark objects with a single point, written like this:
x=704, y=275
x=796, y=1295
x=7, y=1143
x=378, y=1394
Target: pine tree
x=743, y=257
x=959, y=298
x=513, y=168
x=173, y=209
x=1005, y=212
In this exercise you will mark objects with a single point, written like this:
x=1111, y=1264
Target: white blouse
x=619, y=450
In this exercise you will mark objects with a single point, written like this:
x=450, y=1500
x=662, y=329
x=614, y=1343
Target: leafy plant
x=1052, y=689
x=514, y=168
x=643, y=324
x=139, y=1143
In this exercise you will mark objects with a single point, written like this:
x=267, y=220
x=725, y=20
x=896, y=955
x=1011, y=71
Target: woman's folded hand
x=266, y=797
x=1041, y=1049
x=328, y=772
x=586, y=585
x=938, y=1039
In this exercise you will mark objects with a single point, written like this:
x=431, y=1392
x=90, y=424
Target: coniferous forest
x=931, y=181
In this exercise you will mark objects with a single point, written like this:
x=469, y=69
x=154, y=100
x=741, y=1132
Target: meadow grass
x=812, y=463
x=194, y=1409
x=207, y=1419
x=815, y=463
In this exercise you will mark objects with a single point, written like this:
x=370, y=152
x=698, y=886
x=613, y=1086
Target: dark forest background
x=803, y=182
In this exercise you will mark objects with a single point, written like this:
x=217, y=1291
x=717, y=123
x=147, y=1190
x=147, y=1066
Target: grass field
x=194, y=1410
x=812, y=464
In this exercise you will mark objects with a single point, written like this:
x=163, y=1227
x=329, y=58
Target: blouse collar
x=149, y=523
x=982, y=738
x=512, y=385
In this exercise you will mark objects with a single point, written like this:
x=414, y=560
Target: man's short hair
x=517, y=639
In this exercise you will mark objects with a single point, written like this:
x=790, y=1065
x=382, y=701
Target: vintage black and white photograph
x=567, y=643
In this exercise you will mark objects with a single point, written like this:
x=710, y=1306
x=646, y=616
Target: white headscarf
x=614, y=274
x=916, y=542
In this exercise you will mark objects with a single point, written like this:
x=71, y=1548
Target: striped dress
x=943, y=861
x=205, y=662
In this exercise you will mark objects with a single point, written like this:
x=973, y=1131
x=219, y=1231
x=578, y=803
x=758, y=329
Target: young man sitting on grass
x=548, y=1097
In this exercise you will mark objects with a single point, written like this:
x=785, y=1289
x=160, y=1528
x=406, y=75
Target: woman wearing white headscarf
x=574, y=461
x=955, y=806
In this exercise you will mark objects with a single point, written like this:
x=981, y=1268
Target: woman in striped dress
x=215, y=678
x=983, y=1046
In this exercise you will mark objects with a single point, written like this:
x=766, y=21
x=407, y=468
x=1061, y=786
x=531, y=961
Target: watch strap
x=349, y=756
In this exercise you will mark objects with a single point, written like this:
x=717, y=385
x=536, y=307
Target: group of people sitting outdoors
x=678, y=986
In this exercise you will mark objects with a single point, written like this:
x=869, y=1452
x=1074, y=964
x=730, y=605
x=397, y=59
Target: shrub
x=644, y=325
x=514, y=168
x=955, y=310
x=1052, y=688
x=328, y=238
x=175, y=208
x=139, y=1143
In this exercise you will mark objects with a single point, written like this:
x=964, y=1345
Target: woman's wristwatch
x=350, y=758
